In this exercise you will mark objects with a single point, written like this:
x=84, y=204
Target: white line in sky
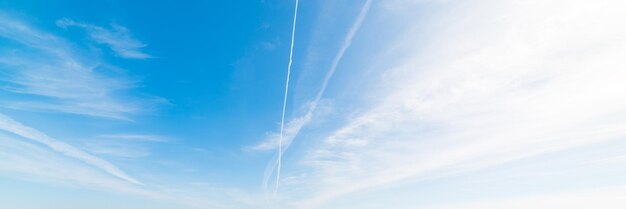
x=282, y=121
x=345, y=45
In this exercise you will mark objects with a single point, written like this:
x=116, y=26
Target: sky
x=403, y=104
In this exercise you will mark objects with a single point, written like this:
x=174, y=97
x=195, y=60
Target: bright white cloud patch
x=597, y=198
x=496, y=81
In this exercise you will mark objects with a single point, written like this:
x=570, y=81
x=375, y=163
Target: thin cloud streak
x=295, y=125
x=41, y=164
x=12, y=126
x=342, y=50
x=129, y=146
x=135, y=137
x=282, y=119
x=44, y=72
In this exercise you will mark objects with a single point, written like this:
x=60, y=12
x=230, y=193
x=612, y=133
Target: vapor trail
x=297, y=124
x=282, y=120
x=346, y=44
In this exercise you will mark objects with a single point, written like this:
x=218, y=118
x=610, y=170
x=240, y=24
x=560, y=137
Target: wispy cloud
x=45, y=164
x=493, y=82
x=43, y=72
x=51, y=75
x=612, y=198
x=40, y=71
x=118, y=38
x=48, y=160
x=12, y=126
x=123, y=145
x=294, y=126
x=135, y=137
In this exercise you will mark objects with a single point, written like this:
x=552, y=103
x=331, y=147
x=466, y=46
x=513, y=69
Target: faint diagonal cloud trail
x=345, y=45
x=287, y=134
x=282, y=120
x=9, y=125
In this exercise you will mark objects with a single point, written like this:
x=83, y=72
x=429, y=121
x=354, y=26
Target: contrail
x=302, y=121
x=346, y=44
x=282, y=120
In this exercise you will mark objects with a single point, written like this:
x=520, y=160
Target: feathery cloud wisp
x=286, y=136
x=296, y=124
x=51, y=75
x=118, y=38
x=493, y=82
x=12, y=126
x=135, y=137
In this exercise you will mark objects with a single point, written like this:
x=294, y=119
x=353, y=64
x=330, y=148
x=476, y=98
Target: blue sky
x=399, y=104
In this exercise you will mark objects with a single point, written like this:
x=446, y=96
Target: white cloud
x=12, y=126
x=118, y=38
x=45, y=164
x=494, y=81
x=123, y=145
x=51, y=161
x=43, y=72
x=51, y=75
x=268, y=45
x=612, y=198
x=135, y=137
x=295, y=125
x=117, y=149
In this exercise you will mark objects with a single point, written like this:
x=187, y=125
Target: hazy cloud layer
x=496, y=82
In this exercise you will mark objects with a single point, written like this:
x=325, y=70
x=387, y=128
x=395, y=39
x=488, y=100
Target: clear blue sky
x=392, y=104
